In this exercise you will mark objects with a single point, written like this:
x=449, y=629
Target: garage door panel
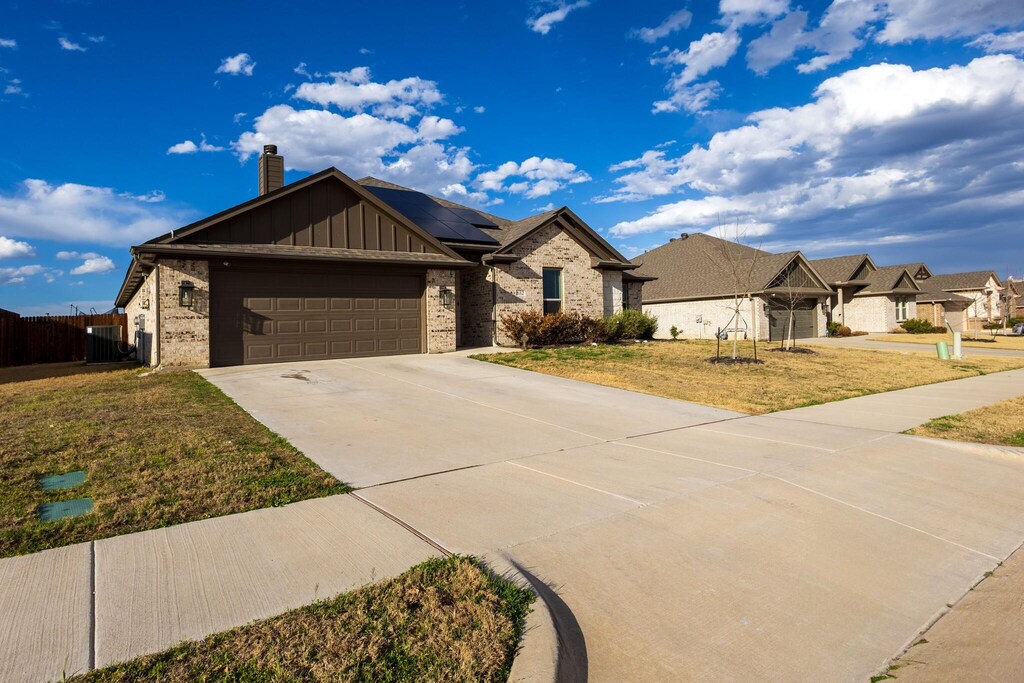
x=803, y=317
x=263, y=317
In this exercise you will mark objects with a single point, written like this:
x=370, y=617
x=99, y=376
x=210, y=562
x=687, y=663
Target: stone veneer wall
x=874, y=313
x=634, y=298
x=714, y=314
x=441, y=320
x=520, y=284
x=613, y=294
x=184, y=332
x=144, y=305
x=475, y=290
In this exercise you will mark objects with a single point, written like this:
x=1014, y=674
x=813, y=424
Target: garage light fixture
x=447, y=297
x=186, y=294
x=824, y=306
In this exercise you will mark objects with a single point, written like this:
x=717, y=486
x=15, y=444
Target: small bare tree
x=740, y=271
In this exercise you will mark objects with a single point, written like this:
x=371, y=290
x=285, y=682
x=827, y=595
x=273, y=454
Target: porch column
x=842, y=318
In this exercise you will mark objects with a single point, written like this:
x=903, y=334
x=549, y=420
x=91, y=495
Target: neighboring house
x=699, y=278
x=869, y=298
x=328, y=267
x=982, y=287
x=942, y=309
x=1015, y=297
x=888, y=299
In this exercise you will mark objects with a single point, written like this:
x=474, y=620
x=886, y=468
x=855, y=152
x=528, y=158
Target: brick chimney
x=271, y=170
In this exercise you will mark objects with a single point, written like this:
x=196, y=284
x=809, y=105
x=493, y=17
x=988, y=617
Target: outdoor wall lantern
x=447, y=297
x=824, y=306
x=186, y=294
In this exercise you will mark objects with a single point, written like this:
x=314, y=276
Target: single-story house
x=982, y=287
x=1015, y=297
x=868, y=297
x=705, y=286
x=328, y=267
x=942, y=309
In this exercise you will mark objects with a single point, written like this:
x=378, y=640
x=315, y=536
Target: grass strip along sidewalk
x=442, y=620
x=157, y=451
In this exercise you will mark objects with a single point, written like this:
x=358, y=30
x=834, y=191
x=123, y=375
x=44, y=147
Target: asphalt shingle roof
x=955, y=281
x=885, y=279
x=838, y=268
x=702, y=266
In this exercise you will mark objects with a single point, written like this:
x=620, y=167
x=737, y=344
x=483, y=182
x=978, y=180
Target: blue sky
x=892, y=128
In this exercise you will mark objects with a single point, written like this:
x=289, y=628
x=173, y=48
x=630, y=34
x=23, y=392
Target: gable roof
x=510, y=232
x=977, y=279
x=928, y=295
x=841, y=268
x=700, y=266
x=915, y=268
x=890, y=280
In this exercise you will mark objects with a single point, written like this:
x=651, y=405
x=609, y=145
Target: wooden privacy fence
x=50, y=338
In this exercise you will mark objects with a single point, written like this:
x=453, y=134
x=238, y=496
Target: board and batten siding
x=324, y=214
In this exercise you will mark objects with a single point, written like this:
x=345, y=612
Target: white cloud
x=679, y=19
x=237, y=118
x=778, y=44
x=74, y=255
x=84, y=213
x=9, y=42
x=354, y=90
x=710, y=51
x=881, y=145
x=189, y=147
x=912, y=19
x=534, y=177
x=12, y=89
x=13, y=276
x=556, y=11
x=994, y=43
x=239, y=65
x=737, y=13
x=94, y=265
x=14, y=249
x=66, y=44
x=458, y=192
x=841, y=31
x=95, y=39
x=361, y=144
x=302, y=71
x=479, y=109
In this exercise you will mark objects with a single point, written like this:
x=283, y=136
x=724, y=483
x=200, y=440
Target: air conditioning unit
x=101, y=344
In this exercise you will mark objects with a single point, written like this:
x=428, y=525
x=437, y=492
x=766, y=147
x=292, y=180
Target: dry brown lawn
x=157, y=451
x=1001, y=341
x=680, y=370
x=443, y=620
x=999, y=423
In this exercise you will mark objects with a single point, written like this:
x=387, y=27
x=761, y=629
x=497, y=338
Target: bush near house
x=1014, y=321
x=918, y=326
x=533, y=328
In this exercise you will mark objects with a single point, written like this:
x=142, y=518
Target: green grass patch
x=157, y=451
x=443, y=620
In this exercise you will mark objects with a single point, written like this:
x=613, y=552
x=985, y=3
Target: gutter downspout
x=156, y=317
x=485, y=260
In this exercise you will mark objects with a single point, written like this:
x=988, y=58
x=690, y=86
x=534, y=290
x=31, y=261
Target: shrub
x=844, y=331
x=1015, y=320
x=634, y=324
x=674, y=331
x=833, y=328
x=918, y=326
x=992, y=326
x=857, y=333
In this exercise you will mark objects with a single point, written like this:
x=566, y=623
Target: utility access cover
x=55, y=482
x=51, y=512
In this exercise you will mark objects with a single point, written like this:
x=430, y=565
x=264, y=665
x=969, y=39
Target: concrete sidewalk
x=870, y=342
x=92, y=604
x=898, y=411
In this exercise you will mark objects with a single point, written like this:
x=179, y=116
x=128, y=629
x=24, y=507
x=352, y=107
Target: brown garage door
x=805, y=320
x=270, y=315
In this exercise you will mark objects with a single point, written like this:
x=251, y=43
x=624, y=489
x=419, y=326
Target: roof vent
x=271, y=171
x=683, y=235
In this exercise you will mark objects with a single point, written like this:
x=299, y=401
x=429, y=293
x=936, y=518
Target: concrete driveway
x=685, y=542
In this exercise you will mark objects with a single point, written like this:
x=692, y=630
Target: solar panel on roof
x=441, y=222
x=475, y=218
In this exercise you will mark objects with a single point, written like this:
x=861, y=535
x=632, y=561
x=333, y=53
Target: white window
x=902, y=309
